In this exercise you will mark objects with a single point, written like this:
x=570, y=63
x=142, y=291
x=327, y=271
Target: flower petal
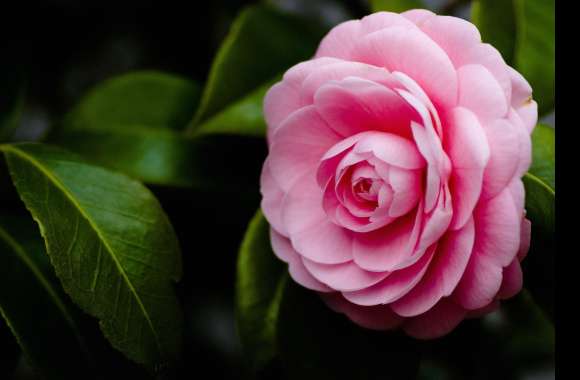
x=343, y=277
x=373, y=317
x=438, y=321
x=481, y=93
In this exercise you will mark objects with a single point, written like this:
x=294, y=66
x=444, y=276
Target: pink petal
x=343, y=277
x=391, y=149
x=418, y=16
x=504, y=141
x=355, y=105
x=413, y=53
x=525, y=237
x=303, y=135
x=453, y=34
x=437, y=222
x=382, y=20
x=302, y=205
x=525, y=143
x=374, y=317
x=438, y=321
x=521, y=89
x=444, y=273
x=396, y=285
x=480, y=283
x=272, y=196
x=529, y=114
x=280, y=101
x=481, y=93
x=467, y=147
x=284, y=251
x=488, y=57
x=340, y=41
x=407, y=185
x=512, y=280
x=384, y=249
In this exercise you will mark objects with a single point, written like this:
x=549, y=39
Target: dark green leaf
x=34, y=306
x=242, y=117
x=260, y=282
x=543, y=154
x=111, y=244
x=278, y=319
x=135, y=100
x=538, y=265
x=535, y=48
x=131, y=123
x=395, y=5
x=261, y=44
x=496, y=22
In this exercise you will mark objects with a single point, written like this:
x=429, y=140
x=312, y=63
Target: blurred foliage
x=172, y=98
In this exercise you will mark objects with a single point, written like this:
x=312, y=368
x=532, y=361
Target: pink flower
x=393, y=182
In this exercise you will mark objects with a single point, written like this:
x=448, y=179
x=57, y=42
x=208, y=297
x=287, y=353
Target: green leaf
x=11, y=103
x=135, y=100
x=131, y=123
x=260, y=283
x=535, y=48
x=395, y=5
x=278, y=319
x=496, y=22
x=111, y=244
x=538, y=265
x=261, y=44
x=543, y=154
x=243, y=117
x=28, y=289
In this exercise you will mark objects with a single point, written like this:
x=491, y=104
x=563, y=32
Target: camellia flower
x=393, y=181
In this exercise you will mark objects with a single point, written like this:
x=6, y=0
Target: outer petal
x=468, y=149
x=343, y=277
x=304, y=135
x=340, y=41
x=284, y=251
x=497, y=242
x=453, y=34
x=512, y=280
x=438, y=321
x=443, y=275
x=272, y=196
x=504, y=142
x=418, y=16
x=356, y=105
x=415, y=54
x=374, y=317
x=395, y=286
x=481, y=93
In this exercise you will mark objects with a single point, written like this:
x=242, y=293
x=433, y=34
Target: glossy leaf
x=538, y=266
x=243, y=117
x=131, y=123
x=278, y=319
x=33, y=305
x=496, y=22
x=544, y=154
x=535, y=48
x=260, y=282
x=261, y=44
x=111, y=244
x=135, y=100
x=395, y=5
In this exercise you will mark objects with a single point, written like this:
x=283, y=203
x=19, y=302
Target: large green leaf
x=131, y=123
x=538, y=266
x=395, y=5
x=260, y=283
x=111, y=244
x=261, y=44
x=28, y=290
x=544, y=154
x=134, y=100
x=278, y=319
x=496, y=22
x=535, y=48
